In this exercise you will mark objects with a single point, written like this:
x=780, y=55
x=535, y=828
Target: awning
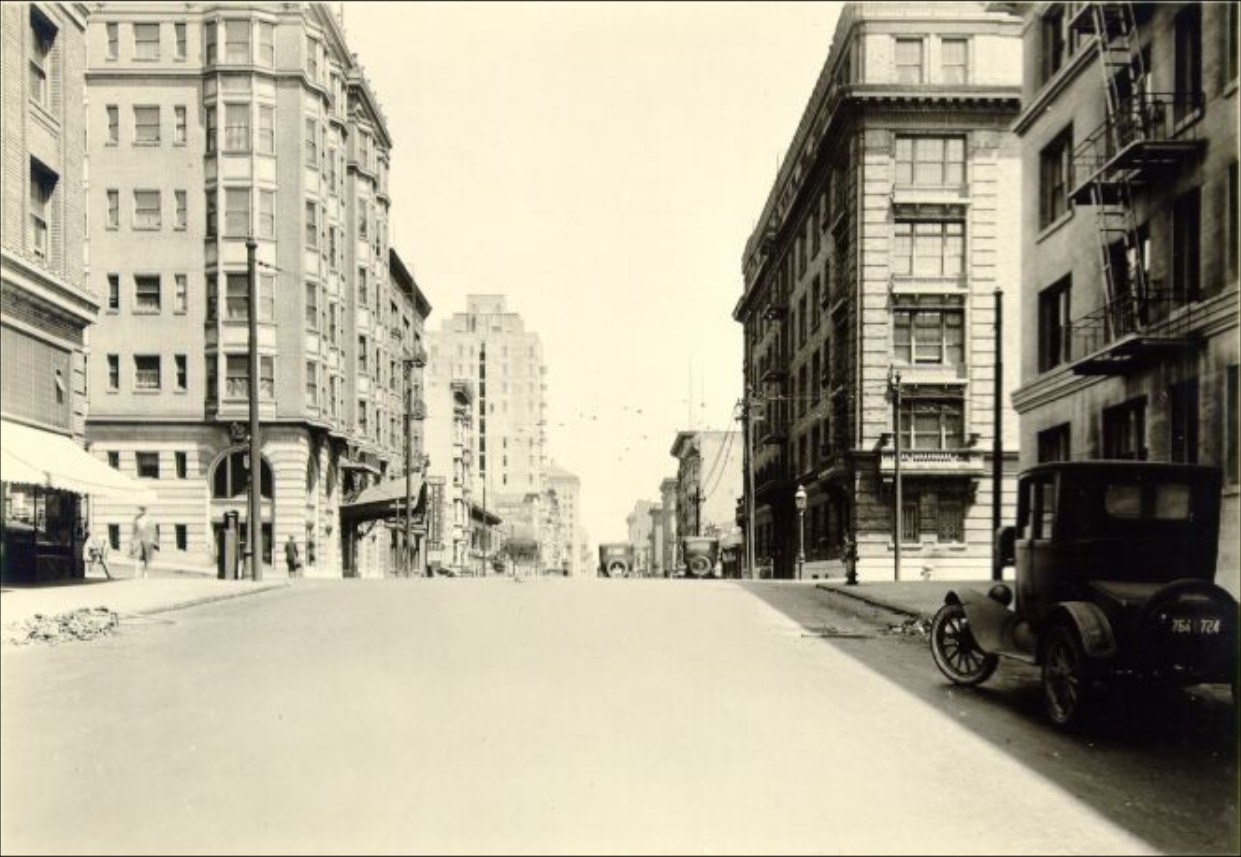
x=30, y=456
x=386, y=500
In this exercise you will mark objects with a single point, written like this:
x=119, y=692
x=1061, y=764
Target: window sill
x=146, y=144
x=146, y=392
x=146, y=228
x=1054, y=225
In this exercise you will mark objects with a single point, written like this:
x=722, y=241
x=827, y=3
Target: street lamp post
x=800, y=500
x=894, y=383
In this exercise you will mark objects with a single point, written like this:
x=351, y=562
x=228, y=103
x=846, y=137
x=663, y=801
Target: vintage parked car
x=1115, y=568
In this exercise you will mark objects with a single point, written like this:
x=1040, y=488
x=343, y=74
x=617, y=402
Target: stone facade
x=875, y=267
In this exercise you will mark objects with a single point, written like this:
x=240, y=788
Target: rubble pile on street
x=87, y=623
x=911, y=627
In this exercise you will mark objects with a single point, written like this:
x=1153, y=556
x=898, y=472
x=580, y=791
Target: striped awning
x=31, y=456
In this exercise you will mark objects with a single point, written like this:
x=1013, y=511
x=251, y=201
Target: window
x=179, y=125
x=114, y=372
x=267, y=296
x=181, y=535
x=237, y=41
x=146, y=371
x=1124, y=430
x=237, y=297
x=1183, y=421
x=42, y=186
x=362, y=221
x=182, y=376
x=909, y=60
x=929, y=248
x=114, y=459
x=209, y=125
x=363, y=293
x=42, y=39
x=1232, y=51
x=930, y=161
x=114, y=125
x=267, y=52
x=1056, y=40
x=1053, y=444
x=114, y=39
x=312, y=306
x=146, y=41
x=267, y=214
x=148, y=464
x=178, y=30
x=114, y=292
x=954, y=61
x=1234, y=239
x=312, y=225
x=210, y=225
x=212, y=379
x=146, y=126
x=1186, y=245
x=180, y=200
x=146, y=209
x=363, y=368
x=1054, y=177
x=1053, y=324
x=237, y=376
x=311, y=136
x=911, y=519
x=331, y=171
x=267, y=130
x=180, y=297
x=146, y=293
x=929, y=335
x=237, y=212
x=209, y=37
x=114, y=208
x=932, y=424
x=237, y=127
x=312, y=59
x=1188, y=71
x=312, y=383
x=949, y=510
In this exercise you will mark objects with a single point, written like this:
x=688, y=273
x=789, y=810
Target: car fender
x=1093, y=627
x=987, y=617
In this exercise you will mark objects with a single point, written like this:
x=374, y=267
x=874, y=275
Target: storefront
x=45, y=482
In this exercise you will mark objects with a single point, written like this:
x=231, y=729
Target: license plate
x=1198, y=626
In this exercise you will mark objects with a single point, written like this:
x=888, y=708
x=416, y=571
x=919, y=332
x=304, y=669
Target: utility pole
x=747, y=403
x=896, y=426
x=407, y=564
x=997, y=442
x=254, y=521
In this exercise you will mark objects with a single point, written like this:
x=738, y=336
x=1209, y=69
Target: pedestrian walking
x=142, y=544
x=292, y=558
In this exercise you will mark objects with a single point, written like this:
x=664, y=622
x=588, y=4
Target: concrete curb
x=206, y=599
x=852, y=592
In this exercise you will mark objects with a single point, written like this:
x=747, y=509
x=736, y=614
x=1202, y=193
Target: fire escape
x=1138, y=146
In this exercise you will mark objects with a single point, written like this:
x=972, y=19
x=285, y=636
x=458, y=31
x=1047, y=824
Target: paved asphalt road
x=462, y=716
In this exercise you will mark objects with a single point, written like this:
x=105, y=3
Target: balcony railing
x=1126, y=333
x=1142, y=134
x=932, y=462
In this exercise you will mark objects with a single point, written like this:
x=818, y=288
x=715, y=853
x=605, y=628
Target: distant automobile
x=616, y=559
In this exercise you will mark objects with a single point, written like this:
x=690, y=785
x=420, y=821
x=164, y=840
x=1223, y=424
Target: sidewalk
x=915, y=598
x=124, y=595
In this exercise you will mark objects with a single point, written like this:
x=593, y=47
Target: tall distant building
x=1129, y=142
x=567, y=488
x=209, y=124
x=871, y=283
x=638, y=524
x=490, y=348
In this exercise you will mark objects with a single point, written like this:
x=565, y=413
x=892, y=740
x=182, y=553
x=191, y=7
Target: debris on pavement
x=912, y=627
x=87, y=623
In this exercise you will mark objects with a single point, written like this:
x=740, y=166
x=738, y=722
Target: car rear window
x=1168, y=501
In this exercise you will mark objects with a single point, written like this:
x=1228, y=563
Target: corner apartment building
x=46, y=306
x=1129, y=207
x=874, y=268
x=210, y=124
x=449, y=472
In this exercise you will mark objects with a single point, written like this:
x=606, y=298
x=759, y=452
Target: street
x=562, y=716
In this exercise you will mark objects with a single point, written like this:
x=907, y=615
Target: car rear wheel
x=1067, y=690
x=954, y=650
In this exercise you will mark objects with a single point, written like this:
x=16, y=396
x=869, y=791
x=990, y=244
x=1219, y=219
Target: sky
x=602, y=165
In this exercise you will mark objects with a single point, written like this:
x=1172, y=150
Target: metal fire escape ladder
x=1111, y=193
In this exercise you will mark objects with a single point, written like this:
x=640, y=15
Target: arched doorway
x=230, y=483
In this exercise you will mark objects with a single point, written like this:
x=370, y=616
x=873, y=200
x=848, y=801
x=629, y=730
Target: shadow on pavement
x=1161, y=764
